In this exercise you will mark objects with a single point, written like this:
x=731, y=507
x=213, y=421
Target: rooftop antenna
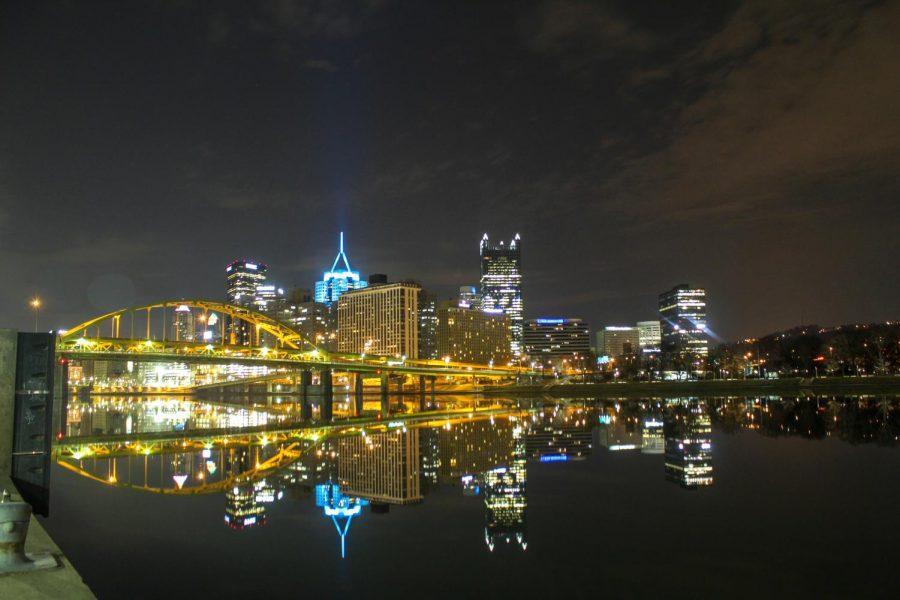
x=341, y=255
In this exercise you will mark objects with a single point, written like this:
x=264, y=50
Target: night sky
x=749, y=147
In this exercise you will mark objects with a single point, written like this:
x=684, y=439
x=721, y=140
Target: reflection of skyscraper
x=505, y=499
x=688, y=446
x=501, y=284
x=242, y=509
x=618, y=434
x=474, y=447
x=652, y=438
x=340, y=508
x=382, y=467
x=341, y=278
x=560, y=434
x=431, y=458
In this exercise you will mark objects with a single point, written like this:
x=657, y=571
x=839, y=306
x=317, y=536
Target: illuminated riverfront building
x=339, y=279
x=649, y=335
x=501, y=284
x=685, y=340
x=382, y=319
x=381, y=467
x=505, y=499
x=552, y=339
x=470, y=335
x=689, y=447
x=614, y=341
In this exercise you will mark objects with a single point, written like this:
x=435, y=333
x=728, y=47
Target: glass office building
x=501, y=284
x=546, y=339
x=685, y=340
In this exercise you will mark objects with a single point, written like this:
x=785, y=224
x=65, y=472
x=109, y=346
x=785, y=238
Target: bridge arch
x=284, y=335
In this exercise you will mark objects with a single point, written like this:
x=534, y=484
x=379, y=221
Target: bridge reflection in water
x=258, y=454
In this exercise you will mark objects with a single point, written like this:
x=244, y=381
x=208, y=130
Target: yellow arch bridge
x=164, y=332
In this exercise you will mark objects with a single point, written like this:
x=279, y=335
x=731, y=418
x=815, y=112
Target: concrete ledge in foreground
x=61, y=582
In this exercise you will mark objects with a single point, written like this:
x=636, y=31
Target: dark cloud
x=751, y=147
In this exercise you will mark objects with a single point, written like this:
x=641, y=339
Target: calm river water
x=711, y=497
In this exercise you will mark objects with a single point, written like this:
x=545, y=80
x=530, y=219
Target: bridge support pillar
x=431, y=383
x=385, y=406
x=358, y=394
x=305, y=407
x=422, y=405
x=327, y=411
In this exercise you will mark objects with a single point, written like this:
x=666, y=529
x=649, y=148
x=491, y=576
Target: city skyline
x=686, y=137
x=450, y=292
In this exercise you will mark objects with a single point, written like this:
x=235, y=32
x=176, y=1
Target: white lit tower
x=501, y=284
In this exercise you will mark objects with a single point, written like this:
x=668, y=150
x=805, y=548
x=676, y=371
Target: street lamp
x=35, y=305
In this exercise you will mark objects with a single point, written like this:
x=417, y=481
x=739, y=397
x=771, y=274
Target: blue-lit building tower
x=339, y=279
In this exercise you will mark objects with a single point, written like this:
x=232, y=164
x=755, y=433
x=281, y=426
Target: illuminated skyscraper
x=183, y=324
x=427, y=325
x=242, y=278
x=382, y=319
x=682, y=312
x=501, y=284
x=341, y=278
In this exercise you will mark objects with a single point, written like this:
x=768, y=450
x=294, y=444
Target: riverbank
x=714, y=387
x=61, y=582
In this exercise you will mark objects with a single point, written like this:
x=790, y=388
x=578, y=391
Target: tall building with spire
x=501, y=284
x=339, y=279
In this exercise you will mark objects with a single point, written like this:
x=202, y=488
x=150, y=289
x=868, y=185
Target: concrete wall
x=7, y=397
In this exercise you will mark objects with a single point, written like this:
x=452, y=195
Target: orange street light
x=35, y=304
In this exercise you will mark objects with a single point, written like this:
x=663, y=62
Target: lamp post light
x=35, y=305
